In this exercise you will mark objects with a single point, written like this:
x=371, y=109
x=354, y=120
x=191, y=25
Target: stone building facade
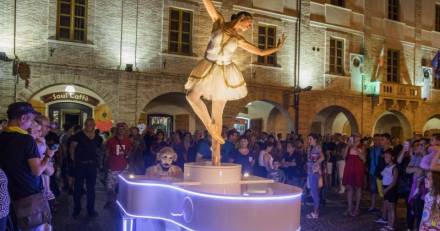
x=120, y=34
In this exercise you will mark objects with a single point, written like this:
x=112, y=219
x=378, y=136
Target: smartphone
x=406, y=145
x=54, y=146
x=350, y=140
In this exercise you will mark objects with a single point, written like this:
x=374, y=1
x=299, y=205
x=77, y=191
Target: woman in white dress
x=216, y=77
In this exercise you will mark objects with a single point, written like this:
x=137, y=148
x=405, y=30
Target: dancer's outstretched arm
x=251, y=48
x=213, y=13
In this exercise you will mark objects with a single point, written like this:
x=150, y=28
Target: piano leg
x=128, y=223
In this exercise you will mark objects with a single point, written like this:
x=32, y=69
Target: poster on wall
x=425, y=82
x=356, y=71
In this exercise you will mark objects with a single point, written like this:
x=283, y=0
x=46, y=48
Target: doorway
x=69, y=113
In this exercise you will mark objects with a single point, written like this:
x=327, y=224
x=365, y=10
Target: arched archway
x=394, y=123
x=432, y=126
x=334, y=119
x=263, y=115
x=170, y=112
x=72, y=104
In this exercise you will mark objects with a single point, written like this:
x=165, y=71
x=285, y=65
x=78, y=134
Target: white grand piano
x=208, y=198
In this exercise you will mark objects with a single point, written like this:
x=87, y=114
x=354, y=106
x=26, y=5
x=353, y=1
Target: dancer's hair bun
x=234, y=16
x=243, y=14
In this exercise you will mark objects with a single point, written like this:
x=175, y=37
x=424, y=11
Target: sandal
x=347, y=212
x=355, y=213
x=387, y=228
x=312, y=215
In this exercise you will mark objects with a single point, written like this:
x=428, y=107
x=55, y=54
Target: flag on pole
x=381, y=62
x=436, y=65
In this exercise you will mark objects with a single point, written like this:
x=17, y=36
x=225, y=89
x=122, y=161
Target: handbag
x=32, y=211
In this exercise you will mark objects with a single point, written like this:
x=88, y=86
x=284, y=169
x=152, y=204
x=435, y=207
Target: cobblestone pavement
x=331, y=218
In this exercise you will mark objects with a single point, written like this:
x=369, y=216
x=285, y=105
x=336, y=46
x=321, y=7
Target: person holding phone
x=404, y=181
x=353, y=178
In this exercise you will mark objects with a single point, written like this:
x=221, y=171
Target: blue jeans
x=298, y=181
x=314, y=188
x=3, y=222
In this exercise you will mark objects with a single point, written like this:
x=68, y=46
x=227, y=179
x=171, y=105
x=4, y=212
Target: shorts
x=391, y=196
x=112, y=180
x=372, y=184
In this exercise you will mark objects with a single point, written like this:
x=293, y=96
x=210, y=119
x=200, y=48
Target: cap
x=18, y=109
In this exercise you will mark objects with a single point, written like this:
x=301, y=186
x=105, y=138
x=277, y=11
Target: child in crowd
x=389, y=187
x=276, y=173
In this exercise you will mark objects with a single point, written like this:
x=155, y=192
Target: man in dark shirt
x=149, y=157
x=228, y=149
x=84, y=147
x=203, y=148
x=339, y=157
x=19, y=156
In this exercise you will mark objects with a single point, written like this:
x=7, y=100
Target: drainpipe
x=15, y=55
x=122, y=28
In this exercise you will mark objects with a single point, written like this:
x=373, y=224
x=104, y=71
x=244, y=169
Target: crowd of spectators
x=38, y=162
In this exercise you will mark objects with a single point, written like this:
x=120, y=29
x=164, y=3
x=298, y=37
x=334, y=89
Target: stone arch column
x=147, y=94
x=402, y=116
x=312, y=103
x=255, y=93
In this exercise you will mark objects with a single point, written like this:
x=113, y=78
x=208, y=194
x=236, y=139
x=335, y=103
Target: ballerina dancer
x=216, y=77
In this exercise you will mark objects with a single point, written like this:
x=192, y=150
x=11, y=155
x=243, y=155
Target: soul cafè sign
x=58, y=96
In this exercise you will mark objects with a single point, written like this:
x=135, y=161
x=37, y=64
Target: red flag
x=382, y=57
x=381, y=62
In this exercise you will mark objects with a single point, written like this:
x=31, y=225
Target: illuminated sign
x=57, y=96
x=372, y=88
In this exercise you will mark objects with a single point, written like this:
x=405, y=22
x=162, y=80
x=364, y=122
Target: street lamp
x=296, y=94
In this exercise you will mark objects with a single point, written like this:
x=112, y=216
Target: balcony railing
x=400, y=91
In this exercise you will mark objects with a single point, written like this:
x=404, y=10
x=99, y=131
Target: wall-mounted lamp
x=70, y=89
x=51, y=51
x=129, y=67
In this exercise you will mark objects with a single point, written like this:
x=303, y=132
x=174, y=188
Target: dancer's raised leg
x=199, y=107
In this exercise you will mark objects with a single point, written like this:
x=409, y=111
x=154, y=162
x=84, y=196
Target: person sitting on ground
x=276, y=173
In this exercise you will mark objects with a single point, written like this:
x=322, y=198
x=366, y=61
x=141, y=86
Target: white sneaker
x=381, y=221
